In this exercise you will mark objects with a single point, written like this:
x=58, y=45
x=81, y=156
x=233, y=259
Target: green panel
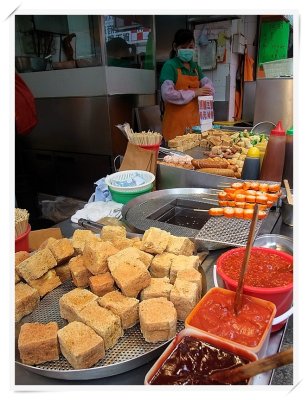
x=274, y=39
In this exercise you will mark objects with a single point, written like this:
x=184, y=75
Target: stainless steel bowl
x=276, y=242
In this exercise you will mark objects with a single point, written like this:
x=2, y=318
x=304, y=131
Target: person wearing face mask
x=182, y=81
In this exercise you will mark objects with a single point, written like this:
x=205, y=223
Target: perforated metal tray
x=130, y=352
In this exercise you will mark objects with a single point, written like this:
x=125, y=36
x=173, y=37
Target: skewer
x=200, y=209
x=240, y=285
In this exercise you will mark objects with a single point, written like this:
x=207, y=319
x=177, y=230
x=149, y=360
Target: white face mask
x=186, y=55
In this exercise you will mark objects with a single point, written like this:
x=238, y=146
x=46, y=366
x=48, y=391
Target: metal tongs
x=97, y=227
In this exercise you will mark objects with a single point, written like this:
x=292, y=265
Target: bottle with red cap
x=273, y=161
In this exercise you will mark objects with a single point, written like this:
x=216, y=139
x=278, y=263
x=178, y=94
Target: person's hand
x=204, y=91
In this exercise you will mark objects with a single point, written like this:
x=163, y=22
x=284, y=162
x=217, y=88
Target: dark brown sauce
x=192, y=361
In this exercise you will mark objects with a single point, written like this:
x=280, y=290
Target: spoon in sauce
x=240, y=285
x=249, y=370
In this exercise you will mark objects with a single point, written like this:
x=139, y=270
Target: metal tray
x=130, y=352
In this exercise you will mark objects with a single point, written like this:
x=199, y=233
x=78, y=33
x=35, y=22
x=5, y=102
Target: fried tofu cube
x=101, y=284
x=112, y=233
x=36, y=265
x=159, y=287
x=104, y=322
x=38, y=343
x=124, y=307
x=155, y=241
x=192, y=275
x=73, y=302
x=180, y=263
x=131, y=277
x=26, y=300
x=184, y=295
x=47, y=243
x=129, y=255
x=80, y=274
x=161, y=265
x=80, y=237
x=46, y=283
x=85, y=350
x=180, y=246
x=121, y=243
x=158, y=319
x=96, y=255
x=63, y=272
x=17, y=278
x=62, y=249
x=20, y=256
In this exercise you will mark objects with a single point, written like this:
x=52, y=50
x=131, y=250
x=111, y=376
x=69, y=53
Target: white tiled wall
x=224, y=76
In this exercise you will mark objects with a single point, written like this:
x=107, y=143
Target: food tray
x=130, y=352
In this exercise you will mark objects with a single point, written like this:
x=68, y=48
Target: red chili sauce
x=264, y=269
x=192, y=361
x=216, y=315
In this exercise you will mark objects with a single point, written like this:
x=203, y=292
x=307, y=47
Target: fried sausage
x=218, y=171
x=209, y=163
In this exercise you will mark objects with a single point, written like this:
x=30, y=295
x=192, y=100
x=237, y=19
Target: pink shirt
x=171, y=95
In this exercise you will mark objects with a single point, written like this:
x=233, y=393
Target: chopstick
x=240, y=285
x=254, y=368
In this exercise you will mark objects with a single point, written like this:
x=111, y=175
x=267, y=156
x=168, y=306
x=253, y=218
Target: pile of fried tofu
x=151, y=280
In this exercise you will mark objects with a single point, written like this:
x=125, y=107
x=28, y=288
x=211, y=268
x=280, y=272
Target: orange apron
x=178, y=117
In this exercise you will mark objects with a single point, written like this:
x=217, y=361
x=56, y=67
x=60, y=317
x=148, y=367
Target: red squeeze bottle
x=273, y=161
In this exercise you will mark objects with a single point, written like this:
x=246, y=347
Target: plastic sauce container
x=189, y=366
x=273, y=161
x=251, y=167
x=251, y=328
x=281, y=296
x=288, y=160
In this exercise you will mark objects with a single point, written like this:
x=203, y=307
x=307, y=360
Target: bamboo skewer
x=240, y=285
x=21, y=221
x=254, y=368
x=288, y=190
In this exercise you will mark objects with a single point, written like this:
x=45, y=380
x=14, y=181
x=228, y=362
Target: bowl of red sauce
x=250, y=328
x=269, y=276
x=192, y=356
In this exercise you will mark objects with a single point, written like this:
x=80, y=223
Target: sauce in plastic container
x=273, y=161
x=288, y=160
x=263, y=270
x=192, y=361
x=216, y=315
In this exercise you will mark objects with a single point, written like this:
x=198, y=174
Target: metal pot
x=287, y=212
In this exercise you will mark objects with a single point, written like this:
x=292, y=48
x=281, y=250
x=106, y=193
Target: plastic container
x=125, y=197
x=113, y=181
x=251, y=167
x=273, y=161
x=22, y=241
x=288, y=159
x=281, y=296
x=261, y=347
x=199, y=335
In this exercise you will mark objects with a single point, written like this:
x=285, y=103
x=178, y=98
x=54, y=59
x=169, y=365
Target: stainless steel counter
x=283, y=376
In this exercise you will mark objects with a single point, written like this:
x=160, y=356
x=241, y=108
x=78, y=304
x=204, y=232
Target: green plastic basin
x=125, y=197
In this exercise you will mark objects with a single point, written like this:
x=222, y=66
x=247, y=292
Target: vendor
x=182, y=81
